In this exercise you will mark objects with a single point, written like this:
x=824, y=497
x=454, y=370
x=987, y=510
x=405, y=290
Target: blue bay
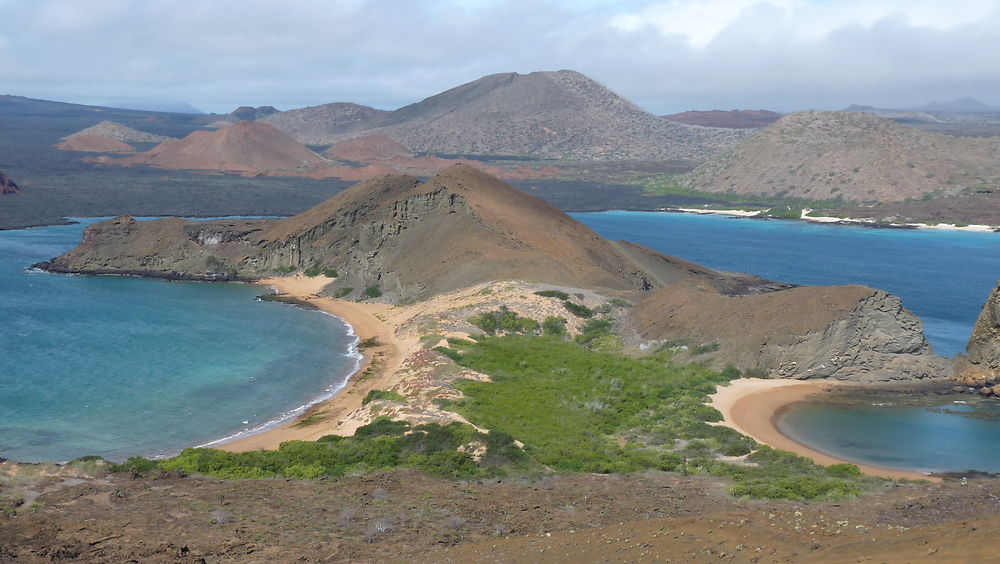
x=125, y=366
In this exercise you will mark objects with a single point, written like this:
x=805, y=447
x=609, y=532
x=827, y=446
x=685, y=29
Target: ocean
x=942, y=276
x=119, y=367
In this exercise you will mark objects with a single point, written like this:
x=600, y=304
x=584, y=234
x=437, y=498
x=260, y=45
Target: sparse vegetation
x=373, y=292
x=382, y=444
x=503, y=320
x=381, y=395
x=552, y=294
x=578, y=310
x=342, y=292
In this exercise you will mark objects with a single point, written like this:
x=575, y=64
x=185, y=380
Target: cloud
x=665, y=55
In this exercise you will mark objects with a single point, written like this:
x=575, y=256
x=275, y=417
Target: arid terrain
x=851, y=156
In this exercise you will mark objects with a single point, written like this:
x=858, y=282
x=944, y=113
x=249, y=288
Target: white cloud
x=665, y=55
x=701, y=22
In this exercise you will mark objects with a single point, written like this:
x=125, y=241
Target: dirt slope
x=245, y=146
x=855, y=156
x=368, y=149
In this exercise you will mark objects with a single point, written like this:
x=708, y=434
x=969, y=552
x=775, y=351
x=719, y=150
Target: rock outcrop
x=7, y=186
x=250, y=113
x=980, y=369
x=841, y=332
x=413, y=239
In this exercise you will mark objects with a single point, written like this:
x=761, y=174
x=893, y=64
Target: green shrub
x=330, y=272
x=705, y=348
x=593, y=329
x=373, y=292
x=450, y=353
x=373, y=395
x=341, y=292
x=313, y=271
x=554, y=326
x=503, y=320
x=284, y=269
x=553, y=294
x=578, y=310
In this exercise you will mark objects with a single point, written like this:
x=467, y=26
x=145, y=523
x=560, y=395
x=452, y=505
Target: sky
x=664, y=55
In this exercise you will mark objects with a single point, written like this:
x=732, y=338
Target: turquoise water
x=951, y=437
x=126, y=366
x=942, y=276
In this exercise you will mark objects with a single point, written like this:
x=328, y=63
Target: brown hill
x=368, y=149
x=736, y=119
x=843, y=332
x=118, y=132
x=854, y=156
x=413, y=239
x=245, y=147
x=560, y=114
x=7, y=186
x=249, y=113
x=94, y=144
x=327, y=123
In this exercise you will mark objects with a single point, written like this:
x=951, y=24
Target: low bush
x=381, y=395
x=373, y=292
x=578, y=310
x=552, y=294
x=503, y=320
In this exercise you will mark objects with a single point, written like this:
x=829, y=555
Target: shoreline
x=753, y=405
x=849, y=221
x=376, y=365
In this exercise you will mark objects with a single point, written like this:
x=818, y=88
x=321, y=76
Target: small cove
x=942, y=276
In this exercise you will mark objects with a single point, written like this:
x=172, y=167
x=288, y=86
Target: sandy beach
x=848, y=220
x=751, y=406
x=367, y=321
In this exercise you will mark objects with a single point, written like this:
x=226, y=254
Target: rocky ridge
x=853, y=156
x=7, y=186
x=851, y=333
x=980, y=369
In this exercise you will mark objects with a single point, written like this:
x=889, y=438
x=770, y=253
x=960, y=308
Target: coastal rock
x=981, y=365
x=7, y=186
x=842, y=332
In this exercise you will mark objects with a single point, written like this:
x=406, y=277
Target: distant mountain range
x=559, y=115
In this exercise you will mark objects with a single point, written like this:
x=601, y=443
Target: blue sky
x=666, y=56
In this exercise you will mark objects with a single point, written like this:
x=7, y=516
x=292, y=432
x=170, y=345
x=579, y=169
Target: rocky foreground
x=84, y=515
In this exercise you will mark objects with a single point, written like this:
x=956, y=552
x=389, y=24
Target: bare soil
x=406, y=516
